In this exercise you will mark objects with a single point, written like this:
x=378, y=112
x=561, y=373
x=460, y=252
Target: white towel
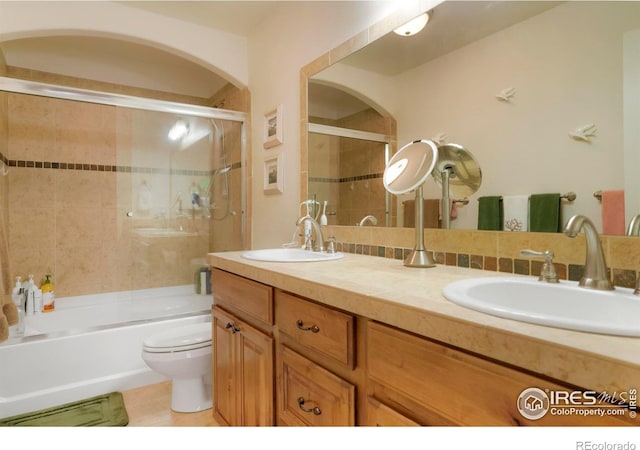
x=516, y=212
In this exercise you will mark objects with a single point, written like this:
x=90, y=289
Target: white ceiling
x=452, y=25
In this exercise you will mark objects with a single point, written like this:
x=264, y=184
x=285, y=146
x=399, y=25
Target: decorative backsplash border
x=369, y=176
x=572, y=272
x=110, y=168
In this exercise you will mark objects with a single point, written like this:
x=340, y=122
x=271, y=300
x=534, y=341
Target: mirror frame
x=360, y=40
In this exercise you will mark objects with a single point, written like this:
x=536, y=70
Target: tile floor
x=149, y=406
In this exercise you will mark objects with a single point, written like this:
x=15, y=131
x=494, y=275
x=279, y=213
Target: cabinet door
x=224, y=367
x=311, y=395
x=256, y=366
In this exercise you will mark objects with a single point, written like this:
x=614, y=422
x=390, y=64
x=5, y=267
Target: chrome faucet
x=370, y=218
x=316, y=227
x=548, y=272
x=595, y=268
x=634, y=226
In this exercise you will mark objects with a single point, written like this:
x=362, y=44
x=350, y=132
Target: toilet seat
x=182, y=339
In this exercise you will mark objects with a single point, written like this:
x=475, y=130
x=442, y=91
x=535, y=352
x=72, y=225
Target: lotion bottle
x=48, y=294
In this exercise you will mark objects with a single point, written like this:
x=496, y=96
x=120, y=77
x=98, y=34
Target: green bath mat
x=103, y=411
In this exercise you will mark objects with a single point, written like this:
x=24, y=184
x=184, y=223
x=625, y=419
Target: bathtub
x=91, y=345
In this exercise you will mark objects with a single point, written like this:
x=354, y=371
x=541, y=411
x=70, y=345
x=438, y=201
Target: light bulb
x=413, y=26
x=178, y=130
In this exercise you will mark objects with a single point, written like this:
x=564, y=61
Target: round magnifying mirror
x=465, y=176
x=410, y=167
x=407, y=171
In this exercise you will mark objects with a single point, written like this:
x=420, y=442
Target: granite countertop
x=385, y=290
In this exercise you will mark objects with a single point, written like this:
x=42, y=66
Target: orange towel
x=613, y=212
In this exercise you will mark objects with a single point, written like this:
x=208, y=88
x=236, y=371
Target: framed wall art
x=273, y=175
x=273, y=128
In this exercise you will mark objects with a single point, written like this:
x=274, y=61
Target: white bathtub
x=90, y=345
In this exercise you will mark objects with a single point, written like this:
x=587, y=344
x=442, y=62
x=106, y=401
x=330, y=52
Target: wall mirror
x=544, y=94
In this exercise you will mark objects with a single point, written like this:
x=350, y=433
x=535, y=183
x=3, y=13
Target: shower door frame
x=20, y=86
x=364, y=136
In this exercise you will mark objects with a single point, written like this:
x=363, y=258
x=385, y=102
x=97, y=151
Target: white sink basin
x=290, y=255
x=562, y=305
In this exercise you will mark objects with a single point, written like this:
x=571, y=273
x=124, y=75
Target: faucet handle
x=548, y=271
x=331, y=245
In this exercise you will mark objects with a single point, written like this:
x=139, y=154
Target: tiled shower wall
x=72, y=181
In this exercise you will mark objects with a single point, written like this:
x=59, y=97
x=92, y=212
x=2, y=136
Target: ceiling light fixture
x=179, y=130
x=413, y=26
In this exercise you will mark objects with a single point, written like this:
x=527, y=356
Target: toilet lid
x=189, y=337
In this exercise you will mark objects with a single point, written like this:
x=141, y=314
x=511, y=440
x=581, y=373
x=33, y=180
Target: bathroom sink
x=561, y=305
x=290, y=255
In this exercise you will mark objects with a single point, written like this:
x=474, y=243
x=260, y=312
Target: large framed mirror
x=546, y=95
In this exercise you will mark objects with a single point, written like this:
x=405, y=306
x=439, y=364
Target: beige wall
x=287, y=41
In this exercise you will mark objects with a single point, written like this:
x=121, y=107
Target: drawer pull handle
x=312, y=328
x=234, y=329
x=315, y=410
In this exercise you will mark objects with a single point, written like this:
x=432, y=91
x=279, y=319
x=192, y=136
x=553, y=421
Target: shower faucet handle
x=548, y=271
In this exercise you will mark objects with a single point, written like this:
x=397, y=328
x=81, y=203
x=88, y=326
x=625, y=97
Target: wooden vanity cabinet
x=243, y=351
x=316, y=363
x=279, y=358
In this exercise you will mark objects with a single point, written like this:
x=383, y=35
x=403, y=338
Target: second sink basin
x=290, y=255
x=562, y=305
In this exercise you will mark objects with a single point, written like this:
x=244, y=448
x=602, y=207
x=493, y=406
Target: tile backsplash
x=494, y=250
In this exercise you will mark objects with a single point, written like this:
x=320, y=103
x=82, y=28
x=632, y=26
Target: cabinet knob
x=303, y=327
x=233, y=328
x=315, y=410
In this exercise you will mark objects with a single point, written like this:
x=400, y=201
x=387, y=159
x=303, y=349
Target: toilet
x=184, y=355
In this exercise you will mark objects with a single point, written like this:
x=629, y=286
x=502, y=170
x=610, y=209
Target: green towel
x=490, y=213
x=544, y=213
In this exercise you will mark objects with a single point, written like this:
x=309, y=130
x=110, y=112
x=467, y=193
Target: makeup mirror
x=458, y=174
x=407, y=171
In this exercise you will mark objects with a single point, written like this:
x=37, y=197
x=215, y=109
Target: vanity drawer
x=311, y=395
x=243, y=296
x=317, y=327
